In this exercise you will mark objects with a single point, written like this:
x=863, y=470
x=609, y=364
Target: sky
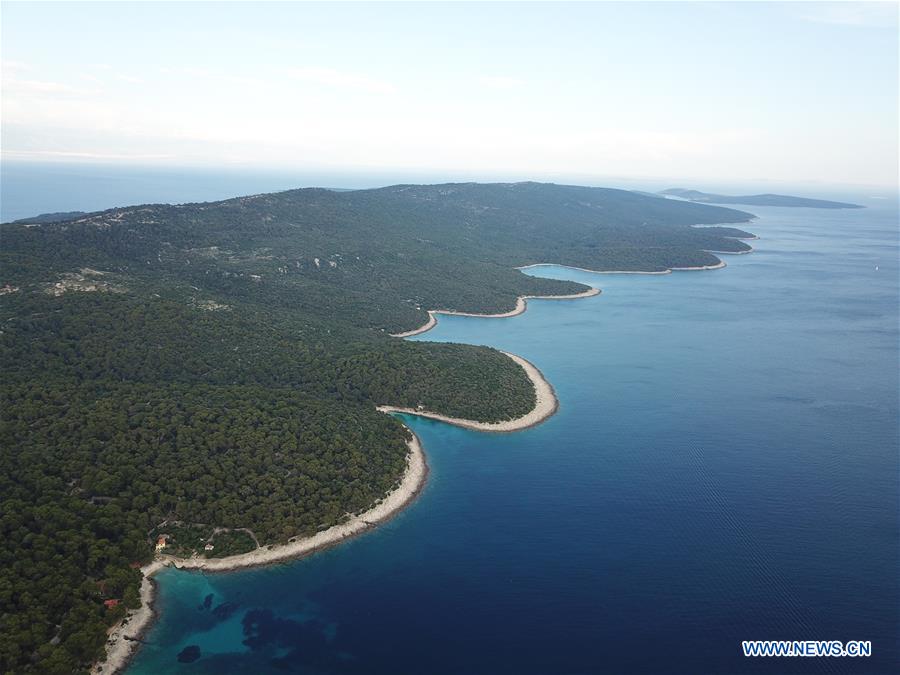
x=801, y=92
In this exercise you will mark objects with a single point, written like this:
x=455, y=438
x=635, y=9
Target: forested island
x=210, y=372
x=758, y=200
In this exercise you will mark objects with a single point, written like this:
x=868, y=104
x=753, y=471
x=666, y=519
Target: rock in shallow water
x=189, y=654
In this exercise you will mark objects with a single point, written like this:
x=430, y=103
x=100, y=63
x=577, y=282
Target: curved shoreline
x=521, y=306
x=719, y=265
x=749, y=250
x=546, y=404
x=585, y=269
x=121, y=647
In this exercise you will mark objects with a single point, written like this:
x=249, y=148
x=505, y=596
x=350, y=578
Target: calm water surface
x=724, y=466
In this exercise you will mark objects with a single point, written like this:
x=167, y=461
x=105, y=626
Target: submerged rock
x=189, y=654
x=207, y=603
x=225, y=610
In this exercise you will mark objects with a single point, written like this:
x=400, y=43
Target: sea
x=724, y=466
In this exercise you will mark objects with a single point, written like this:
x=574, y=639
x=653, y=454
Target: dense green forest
x=183, y=369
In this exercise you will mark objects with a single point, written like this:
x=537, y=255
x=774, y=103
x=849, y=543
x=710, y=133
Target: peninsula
x=758, y=200
x=212, y=379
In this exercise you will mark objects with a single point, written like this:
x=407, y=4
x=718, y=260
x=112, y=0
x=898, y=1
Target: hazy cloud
x=62, y=155
x=877, y=14
x=15, y=86
x=342, y=79
x=500, y=81
x=7, y=66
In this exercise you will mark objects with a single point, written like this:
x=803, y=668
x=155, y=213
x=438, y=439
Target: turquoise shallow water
x=723, y=466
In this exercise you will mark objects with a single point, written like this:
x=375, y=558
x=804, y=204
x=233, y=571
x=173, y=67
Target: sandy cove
x=546, y=404
x=121, y=642
x=521, y=306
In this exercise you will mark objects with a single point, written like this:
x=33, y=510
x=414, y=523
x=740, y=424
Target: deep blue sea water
x=724, y=466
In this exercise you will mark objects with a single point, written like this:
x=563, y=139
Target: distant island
x=758, y=200
x=208, y=380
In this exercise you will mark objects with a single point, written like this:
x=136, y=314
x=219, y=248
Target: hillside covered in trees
x=219, y=365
